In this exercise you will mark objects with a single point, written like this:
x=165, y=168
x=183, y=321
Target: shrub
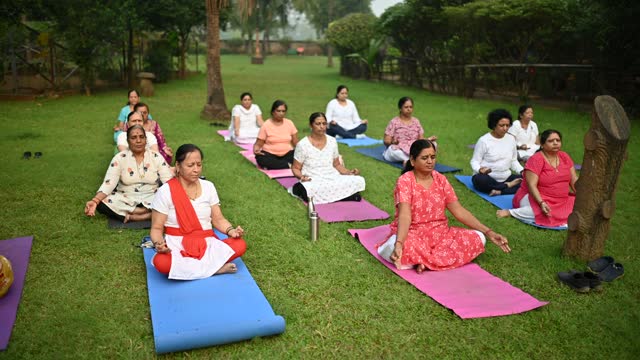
x=352, y=33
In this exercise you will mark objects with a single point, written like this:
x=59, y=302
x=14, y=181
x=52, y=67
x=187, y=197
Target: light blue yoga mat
x=365, y=141
x=376, y=153
x=200, y=313
x=504, y=202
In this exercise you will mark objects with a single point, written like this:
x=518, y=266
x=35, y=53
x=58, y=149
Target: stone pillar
x=146, y=83
x=605, y=150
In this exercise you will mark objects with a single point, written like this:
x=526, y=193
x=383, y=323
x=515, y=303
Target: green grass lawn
x=85, y=294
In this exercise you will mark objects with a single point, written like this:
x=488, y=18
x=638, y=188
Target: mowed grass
x=85, y=294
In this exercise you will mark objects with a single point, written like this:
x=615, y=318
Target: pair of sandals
x=603, y=269
x=27, y=155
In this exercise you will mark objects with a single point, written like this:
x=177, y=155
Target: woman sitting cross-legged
x=316, y=163
x=495, y=156
x=131, y=181
x=246, y=120
x=136, y=118
x=525, y=131
x=420, y=235
x=153, y=127
x=548, y=176
x=185, y=210
x=134, y=98
x=402, y=131
x=342, y=115
x=276, y=139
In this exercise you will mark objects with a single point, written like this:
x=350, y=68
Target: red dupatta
x=193, y=237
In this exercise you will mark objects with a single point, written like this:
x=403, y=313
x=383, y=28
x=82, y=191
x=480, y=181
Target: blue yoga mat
x=504, y=202
x=365, y=141
x=376, y=153
x=199, y=313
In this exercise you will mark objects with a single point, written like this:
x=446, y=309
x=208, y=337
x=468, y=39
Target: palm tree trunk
x=215, y=107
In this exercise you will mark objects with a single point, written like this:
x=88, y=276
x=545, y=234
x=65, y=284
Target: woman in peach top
x=277, y=138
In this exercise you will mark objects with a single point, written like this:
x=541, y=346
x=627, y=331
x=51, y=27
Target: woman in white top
x=316, y=163
x=343, y=117
x=246, y=120
x=495, y=157
x=136, y=118
x=526, y=133
x=185, y=211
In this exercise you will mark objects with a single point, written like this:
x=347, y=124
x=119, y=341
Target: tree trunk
x=329, y=56
x=131, y=81
x=605, y=149
x=215, y=107
x=184, y=39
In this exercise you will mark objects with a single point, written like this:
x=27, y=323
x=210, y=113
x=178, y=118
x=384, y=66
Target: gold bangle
x=96, y=200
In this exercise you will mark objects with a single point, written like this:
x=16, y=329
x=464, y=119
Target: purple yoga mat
x=270, y=173
x=225, y=135
x=469, y=291
x=17, y=251
x=342, y=210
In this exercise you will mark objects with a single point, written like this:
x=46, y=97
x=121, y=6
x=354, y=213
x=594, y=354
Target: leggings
x=334, y=130
x=162, y=262
x=270, y=161
x=106, y=210
x=300, y=191
x=485, y=183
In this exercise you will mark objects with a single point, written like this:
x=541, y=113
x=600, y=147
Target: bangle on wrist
x=228, y=229
x=486, y=233
x=96, y=200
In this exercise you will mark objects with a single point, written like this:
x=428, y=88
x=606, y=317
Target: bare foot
x=513, y=182
x=503, y=213
x=127, y=218
x=495, y=192
x=420, y=268
x=228, y=268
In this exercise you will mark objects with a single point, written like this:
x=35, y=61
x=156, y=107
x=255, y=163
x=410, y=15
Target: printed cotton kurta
x=431, y=241
x=327, y=184
x=128, y=184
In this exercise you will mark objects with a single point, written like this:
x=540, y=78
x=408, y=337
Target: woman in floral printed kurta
x=420, y=235
x=131, y=181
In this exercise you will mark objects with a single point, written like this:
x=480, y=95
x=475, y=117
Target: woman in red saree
x=185, y=210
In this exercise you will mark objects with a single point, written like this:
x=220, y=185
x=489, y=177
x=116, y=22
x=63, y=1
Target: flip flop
x=612, y=272
x=600, y=264
x=26, y=155
x=37, y=155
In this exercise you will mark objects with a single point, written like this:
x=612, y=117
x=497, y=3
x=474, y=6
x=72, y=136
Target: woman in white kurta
x=343, y=118
x=131, y=181
x=316, y=162
x=246, y=120
x=186, y=210
x=526, y=133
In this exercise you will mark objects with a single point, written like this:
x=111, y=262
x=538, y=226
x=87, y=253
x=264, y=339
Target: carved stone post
x=605, y=148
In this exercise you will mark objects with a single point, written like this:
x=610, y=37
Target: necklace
x=555, y=167
x=142, y=173
x=197, y=192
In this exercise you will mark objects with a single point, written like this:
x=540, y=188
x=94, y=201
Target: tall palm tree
x=215, y=107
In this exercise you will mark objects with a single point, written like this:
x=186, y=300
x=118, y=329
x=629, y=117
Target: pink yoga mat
x=469, y=291
x=17, y=251
x=225, y=135
x=248, y=154
x=342, y=210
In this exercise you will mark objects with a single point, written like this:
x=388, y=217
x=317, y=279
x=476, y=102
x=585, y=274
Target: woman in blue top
x=134, y=98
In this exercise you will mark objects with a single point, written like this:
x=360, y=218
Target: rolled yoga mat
x=217, y=310
x=503, y=202
x=17, y=251
x=376, y=153
x=469, y=291
x=342, y=210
